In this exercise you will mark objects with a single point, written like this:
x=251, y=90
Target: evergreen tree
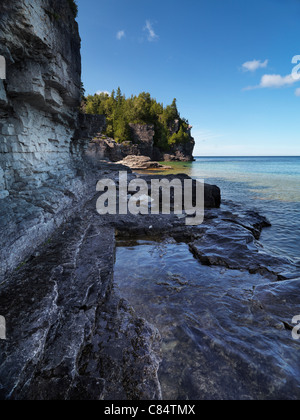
x=169, y=128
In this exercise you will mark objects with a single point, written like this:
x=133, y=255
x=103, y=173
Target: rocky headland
x=70, y=333
x=141, y=146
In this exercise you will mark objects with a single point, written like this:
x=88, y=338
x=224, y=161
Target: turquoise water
x=267, y=178
x=223, y=332
x=270, y=185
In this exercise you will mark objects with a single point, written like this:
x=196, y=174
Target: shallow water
x=225, y=333
x=270, y=185
x=220, y=340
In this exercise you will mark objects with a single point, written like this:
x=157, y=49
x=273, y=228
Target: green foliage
x=179, y=138
x=142, y=109
x=161, y=137
x=121, y=130
x=74, y=7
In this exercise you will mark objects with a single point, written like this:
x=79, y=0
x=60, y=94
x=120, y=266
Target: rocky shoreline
x=59, y=302
x=71, y=336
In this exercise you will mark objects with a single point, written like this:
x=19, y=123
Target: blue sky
x=228, y=63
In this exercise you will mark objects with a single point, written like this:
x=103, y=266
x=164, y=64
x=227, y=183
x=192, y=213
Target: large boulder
x=212, y=193
x=142, y=163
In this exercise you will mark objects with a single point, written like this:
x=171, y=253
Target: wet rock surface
x=69, y=337
x=72, y=334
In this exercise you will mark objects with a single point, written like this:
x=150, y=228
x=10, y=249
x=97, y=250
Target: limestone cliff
x=41, y=44
x=39, y=158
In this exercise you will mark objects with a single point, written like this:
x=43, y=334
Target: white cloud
x=120, y=35
x=102, y=91
x=152, y=36
x=297, y=92
x=274, y=81
x=255, y=65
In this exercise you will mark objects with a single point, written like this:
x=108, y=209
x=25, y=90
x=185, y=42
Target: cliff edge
x=70, y=335
x=41, y=165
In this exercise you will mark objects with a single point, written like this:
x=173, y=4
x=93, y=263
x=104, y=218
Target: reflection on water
x=219, y=341
x=269, y=185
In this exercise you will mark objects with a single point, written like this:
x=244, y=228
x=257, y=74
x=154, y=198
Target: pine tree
x=141, y=109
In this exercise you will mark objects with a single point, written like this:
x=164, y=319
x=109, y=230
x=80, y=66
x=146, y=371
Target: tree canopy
x=170, y=128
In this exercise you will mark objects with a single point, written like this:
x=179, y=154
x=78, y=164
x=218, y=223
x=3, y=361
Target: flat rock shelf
x=204, y=312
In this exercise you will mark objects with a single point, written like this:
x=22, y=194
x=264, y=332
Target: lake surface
x=270, y=185
x=224, y=331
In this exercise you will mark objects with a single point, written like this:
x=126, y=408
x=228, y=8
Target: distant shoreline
x=259, y=156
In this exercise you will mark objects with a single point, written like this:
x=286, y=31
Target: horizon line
x=237, y=156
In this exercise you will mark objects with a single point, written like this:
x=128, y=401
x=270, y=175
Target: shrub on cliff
x=120, y=111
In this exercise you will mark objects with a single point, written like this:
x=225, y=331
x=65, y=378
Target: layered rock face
x=143, y=141
x=142, y=144
x=103, y=147
x=89, y=126
x=179, y=152
x=41, y=44
x=143, y=136
x=39, y=158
